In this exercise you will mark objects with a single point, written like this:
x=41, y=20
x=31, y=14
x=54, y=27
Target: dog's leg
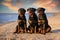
x=24, y=29
x=39, y=30
x=35, y=29
x=48, y=30
x=43, y=29
x=31, y=30
x=18, y=29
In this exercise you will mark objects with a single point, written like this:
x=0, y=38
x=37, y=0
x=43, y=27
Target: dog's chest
x=22, y=18
x=41, y=19
x=31, y=17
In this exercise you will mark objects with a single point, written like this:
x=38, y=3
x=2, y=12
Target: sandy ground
x=6, y=31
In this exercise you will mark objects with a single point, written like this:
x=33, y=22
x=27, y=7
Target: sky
x=11, y=6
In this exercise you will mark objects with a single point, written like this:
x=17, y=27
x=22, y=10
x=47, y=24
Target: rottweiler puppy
x=21, y=27
x=43, y=26
x=41, y=21
x=32, y=20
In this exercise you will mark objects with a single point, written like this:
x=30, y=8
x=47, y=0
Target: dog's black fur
x=42, y=21
x=21, y=22
x=32, y=21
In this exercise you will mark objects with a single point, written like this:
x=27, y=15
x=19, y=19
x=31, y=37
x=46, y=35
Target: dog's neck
x=21, y=15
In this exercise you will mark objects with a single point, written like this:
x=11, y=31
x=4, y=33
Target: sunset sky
x=11, y=6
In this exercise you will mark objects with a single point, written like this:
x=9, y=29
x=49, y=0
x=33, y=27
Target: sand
x=6, y=31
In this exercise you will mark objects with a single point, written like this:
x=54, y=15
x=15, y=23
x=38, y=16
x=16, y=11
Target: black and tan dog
x=43, y=26
x=32, y=20
x=21, y=27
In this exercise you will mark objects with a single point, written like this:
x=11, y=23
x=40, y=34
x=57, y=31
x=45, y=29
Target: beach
x=6, y=31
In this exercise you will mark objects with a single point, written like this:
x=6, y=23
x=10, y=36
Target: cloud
x=48, y=4
x=18, y=4
x=10, y=5
x=8, y=1
x=58, y=4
